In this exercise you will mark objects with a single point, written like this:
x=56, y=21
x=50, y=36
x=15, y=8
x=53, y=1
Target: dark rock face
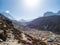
x=49, y=23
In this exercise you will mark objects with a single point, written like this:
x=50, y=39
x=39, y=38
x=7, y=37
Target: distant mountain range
x=50, y=22
x=51, y=13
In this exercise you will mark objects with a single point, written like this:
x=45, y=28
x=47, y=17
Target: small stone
x=58, y=40
x=4, y=25
x=51, y=39
x=1, y=40
x=1, y=31
x=0, y=23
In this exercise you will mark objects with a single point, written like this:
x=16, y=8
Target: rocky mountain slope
x=49, y=23
x=11, y=36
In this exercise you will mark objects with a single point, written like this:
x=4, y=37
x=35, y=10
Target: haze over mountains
x=49, y=13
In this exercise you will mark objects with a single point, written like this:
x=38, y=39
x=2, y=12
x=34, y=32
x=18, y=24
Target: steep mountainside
x=49, y=23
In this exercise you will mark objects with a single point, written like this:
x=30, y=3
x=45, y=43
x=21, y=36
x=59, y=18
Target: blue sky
x=29, y=10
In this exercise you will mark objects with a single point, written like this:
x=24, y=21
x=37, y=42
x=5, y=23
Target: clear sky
x=29, y=9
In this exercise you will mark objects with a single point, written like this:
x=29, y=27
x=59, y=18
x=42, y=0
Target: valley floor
x=47, y=36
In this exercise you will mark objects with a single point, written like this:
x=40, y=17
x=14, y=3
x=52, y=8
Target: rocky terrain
x=11, y=36
x=46, y=36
